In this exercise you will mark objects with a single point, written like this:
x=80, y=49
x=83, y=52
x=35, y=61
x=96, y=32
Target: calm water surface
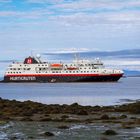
x=110, y=93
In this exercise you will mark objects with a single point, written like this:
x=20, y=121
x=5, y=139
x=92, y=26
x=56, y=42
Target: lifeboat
x=72, y=68
x=56, y=65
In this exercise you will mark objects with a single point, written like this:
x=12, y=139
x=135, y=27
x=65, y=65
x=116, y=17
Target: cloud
x=101, y=18
x=100, y=4
x=77, y=12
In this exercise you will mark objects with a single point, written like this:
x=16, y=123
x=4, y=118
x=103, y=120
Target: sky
x=41, y=26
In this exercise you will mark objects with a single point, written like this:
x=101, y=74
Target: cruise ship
x=32, y=69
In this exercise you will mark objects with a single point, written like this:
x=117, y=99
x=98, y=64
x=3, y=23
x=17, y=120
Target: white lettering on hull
x=22, y=78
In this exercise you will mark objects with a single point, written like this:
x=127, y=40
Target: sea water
x=107, y=93
x=111, y=93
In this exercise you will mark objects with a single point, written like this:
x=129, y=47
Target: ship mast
x=76, y=58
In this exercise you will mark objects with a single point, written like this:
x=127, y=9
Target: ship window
x=81, y=71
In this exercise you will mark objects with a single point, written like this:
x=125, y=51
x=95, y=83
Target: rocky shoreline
x=34, y=111
x=127, y=116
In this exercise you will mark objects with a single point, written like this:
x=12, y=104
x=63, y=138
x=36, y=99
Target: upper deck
x=32, y=65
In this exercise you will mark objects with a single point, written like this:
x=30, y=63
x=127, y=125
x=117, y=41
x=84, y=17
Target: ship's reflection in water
x=127, y=89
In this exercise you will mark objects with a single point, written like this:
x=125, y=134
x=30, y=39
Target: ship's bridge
x=97, y=63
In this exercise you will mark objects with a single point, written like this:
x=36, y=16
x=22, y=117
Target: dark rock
x=82, y=112
x=128, y=123
x=47, y=115
x=137, y=121
x=113, y=118
x=96, y=108
x=133, y=118
x=15, y=138
x=64, y=116
x=123, y=116
x=45, y=119
x=48, y=134
x=31, y=137
x=127, y=126
x=104, y=117
x=110, y=132
x=26, y=119
x=63, y=127
x=132, y=108
x=74, y=105
x=73, y=120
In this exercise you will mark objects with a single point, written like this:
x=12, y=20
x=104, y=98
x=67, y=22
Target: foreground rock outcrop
x=33, y=111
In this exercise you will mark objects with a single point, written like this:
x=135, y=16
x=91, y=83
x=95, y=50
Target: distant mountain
x=134, y=53
x=131, y=73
